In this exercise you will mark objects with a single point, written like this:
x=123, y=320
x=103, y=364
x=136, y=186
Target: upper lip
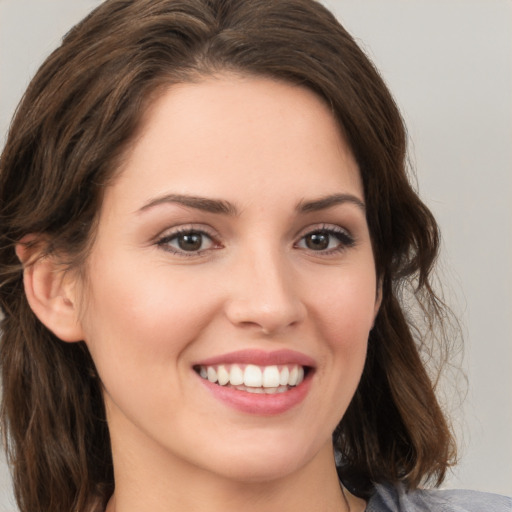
x=259, y=358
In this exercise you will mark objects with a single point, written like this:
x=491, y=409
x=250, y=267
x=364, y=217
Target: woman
x=207, y=233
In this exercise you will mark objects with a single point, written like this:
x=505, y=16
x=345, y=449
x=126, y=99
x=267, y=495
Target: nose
x=264, y=294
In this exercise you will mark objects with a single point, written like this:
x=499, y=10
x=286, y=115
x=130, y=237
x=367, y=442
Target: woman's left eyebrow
x=322, y=203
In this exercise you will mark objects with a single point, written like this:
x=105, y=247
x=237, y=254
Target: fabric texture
x=388, y=498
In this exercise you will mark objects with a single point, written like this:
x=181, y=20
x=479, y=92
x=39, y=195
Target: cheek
x=136, y=319
x=342, y=313
x=345, y=306
x=139, y=327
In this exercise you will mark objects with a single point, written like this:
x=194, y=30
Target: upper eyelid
x=323, y=226
x=186, y=228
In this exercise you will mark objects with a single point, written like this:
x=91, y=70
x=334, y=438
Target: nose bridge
x=264, y=294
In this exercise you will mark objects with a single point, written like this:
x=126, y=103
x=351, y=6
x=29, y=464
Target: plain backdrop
x=449, y=65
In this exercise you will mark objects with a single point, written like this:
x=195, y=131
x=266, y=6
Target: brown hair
x=78, y=115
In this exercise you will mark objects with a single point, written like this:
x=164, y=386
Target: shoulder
x=388, y=498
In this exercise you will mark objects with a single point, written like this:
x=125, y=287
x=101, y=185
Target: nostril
x=267, y=317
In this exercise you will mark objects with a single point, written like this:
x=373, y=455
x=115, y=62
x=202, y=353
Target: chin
x=265, y=462
x=262, y=471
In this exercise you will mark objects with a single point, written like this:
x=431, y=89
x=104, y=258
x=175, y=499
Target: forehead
x=232, y=136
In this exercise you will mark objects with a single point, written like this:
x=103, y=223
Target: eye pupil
x=317, y=241
x=190, y=241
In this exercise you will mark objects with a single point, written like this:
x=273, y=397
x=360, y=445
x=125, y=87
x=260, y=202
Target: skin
x=149, y=311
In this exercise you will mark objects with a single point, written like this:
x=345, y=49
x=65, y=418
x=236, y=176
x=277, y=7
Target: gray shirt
x=388, y=498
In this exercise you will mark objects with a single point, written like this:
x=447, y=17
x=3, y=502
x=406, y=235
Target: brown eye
x=189, y=241
x=317, y=241
x=326, y=240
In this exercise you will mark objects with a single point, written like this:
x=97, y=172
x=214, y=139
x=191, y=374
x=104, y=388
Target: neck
x=162, y=487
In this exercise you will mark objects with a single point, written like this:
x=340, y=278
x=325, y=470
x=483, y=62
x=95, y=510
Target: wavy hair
x=70, y=131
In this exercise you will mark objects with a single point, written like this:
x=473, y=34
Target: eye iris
x=317, y=241
x=190, y=241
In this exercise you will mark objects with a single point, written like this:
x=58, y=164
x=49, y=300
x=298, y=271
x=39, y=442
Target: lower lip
x=260, y=403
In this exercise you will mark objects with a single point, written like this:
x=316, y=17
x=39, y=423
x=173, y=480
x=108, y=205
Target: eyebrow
x=199, y=203
x=328, y=202
x=219, y=206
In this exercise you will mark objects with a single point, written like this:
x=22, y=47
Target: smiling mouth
x=254, y=379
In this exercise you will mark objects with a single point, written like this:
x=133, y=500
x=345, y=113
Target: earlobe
x=50, y=292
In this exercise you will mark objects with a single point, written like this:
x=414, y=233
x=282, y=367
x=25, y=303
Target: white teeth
x=253, y=378
x=283, y=376
x=212, y=374
x=236, y=375
x=268, y=391
x=271, y=377
x=222, y=375
x=279, y=389
x=292, y=379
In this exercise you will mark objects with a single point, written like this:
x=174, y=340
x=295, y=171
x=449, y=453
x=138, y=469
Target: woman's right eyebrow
x=197, y=202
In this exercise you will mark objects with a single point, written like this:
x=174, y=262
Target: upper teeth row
x=254, y=376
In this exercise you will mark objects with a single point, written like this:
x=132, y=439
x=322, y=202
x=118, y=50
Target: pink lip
x=260, y=358
x=260, y=404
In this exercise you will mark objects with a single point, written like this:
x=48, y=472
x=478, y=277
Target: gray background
x=449, y=64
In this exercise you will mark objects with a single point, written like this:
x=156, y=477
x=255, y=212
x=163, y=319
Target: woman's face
x=233, y=247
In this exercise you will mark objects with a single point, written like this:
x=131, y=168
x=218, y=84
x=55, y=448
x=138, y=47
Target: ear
x=51, y=292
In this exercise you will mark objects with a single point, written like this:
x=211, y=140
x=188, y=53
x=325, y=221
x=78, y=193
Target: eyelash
x=164, y=241
x=344, y=238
